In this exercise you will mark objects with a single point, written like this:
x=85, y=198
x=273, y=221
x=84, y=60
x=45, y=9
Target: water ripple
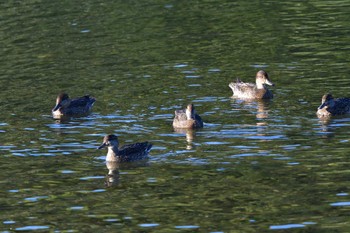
x=35, y=199
x=187, y=227
x=32, y=228
x=287, y=226
x=147, y=225
x=343, y=203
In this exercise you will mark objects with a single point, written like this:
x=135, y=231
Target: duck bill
x=101, y=146
x=268, y=82
x=57, y=107
x=322, y=105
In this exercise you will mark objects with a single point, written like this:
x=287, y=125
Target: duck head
x=262, y=78
x=327, y=101
x=109, y=141
x=62, y=100
x=190, y=112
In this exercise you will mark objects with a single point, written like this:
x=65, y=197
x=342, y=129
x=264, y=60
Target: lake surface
x=256, y=166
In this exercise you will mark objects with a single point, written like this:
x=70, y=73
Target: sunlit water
x=256, y=166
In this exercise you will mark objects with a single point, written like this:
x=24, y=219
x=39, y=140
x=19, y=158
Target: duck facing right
x=258, y=90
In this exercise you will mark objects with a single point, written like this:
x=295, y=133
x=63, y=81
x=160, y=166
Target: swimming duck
x=66, y=107
x=332, y=107
x=187, y=118
x=253, y=91
x=126, y=153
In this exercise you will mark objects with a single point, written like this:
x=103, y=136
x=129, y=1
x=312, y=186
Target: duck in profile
x=253, y=91
x=126, y=153
x=66, y=107
x=187, y=118
x=332, y=107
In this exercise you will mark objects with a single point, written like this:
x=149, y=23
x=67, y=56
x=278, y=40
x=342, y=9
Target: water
x=254, y=167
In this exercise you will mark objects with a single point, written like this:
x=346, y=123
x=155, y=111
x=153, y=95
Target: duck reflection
x=64, y=125
x=330, y=125
x=63, y=120
x=112, y=177
x=261, y=107
x=262, y=110
x=190, y=135
x=325, y=121
x=327, y=132
x=262, y=114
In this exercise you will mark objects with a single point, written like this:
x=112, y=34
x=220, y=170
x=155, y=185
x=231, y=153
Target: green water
x=254, y=167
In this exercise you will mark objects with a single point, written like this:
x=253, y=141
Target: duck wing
x=198, y=120
x=82, y=101
x=180, y=115
x=244, y=87
x=341, y=106
x=240, y=86
x=140, y=148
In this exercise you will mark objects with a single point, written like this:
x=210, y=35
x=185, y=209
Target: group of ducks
x=184, y=119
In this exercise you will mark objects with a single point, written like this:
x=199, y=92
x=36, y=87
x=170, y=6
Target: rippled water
x=256, y=166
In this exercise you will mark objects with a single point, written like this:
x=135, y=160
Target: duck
x=258, y=90
x=126, y=153
x=332, y=107
x=66, y=107
x=187, y=118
